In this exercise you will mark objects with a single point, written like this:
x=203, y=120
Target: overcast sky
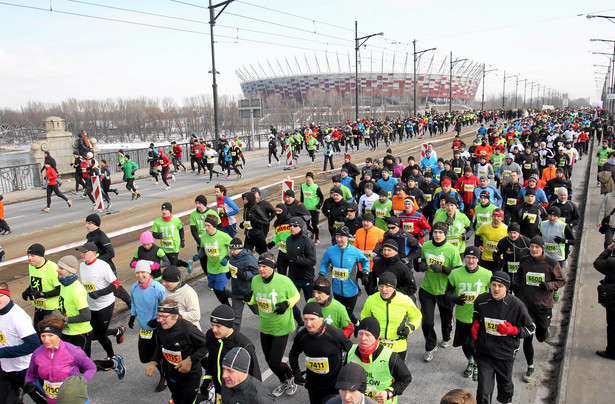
x=51, y=56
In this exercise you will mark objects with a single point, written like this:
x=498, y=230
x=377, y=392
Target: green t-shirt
x=266, y=296
x=335, y=314
x=170, y=241
x=603, y=155
x=128, y=168
x=346, y=192
x=73, y=298
x=496, y=160
x=382, y=210
x=216, y=249
x=446, y=255
x=469, y=286
x=457, y=230
x=312, y=142
x=310, y=197
x=483, y=215
x=281, y=234
x=44, y=279
x=197, y=219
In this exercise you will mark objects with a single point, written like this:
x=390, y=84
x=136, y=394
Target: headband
x=266, y=262
x=498, y=213
x=5, y=292
x=51, y=330
x=322, y=288
x=168, y=309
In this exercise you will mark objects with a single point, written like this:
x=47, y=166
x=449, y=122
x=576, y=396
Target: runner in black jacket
x=256, y=219
x=301, y=256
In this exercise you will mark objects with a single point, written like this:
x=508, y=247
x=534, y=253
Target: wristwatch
x=389, y=394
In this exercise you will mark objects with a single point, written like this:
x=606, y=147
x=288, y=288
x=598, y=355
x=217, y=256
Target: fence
x=20, y=177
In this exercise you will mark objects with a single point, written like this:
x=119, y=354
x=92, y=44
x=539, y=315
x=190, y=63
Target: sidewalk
x=586, y=377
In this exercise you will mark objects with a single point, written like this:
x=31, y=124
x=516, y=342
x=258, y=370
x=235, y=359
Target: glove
x=184, y=366
x=28, y=387
x=543, y=286
x=224, y=261
x=95, y=294
x=446, y=270
x=475, y=327
x=222, y=214
x=459, y=301
x=26, y=295
x=155, y=266
x=131, y=322
x=247, y=298
x=436, y=268
x=507, y=329
x=195, y=257
x=36, y=294
x=228, y=275
x=403, y=331
x=57, y=313
x=280, y=308
x=241, y=225
x=299, y=379
x=559, y=239
x=291, y=258
x=242, y=275
x=422, y=267
x=182, y=244
x=365, y=279
x=152, y=323
x=133, y=264
x=270, y=245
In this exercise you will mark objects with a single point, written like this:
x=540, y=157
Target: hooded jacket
x=406, y=283
x=254, y=214
x=301, y=255
x=244, y=262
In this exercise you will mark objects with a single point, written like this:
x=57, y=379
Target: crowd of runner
x=490, y=227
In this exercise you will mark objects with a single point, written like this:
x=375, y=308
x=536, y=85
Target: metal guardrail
x=20, y=177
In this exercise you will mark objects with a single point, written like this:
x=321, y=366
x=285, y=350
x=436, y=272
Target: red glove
x=154, y=266
x=133, y=264
x=475, y=327
x=507, y=329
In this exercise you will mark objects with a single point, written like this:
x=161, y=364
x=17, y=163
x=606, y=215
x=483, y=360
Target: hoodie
x=254, y=218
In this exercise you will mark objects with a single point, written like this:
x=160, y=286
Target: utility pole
x=417, y=55
x=357, y=45
x=524, y=91
x=504, y=88
x=212, y=21
x=482, y=102
x=450, y=83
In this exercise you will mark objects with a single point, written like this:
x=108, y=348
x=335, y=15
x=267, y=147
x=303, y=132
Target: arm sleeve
x=181, y=234
x=605, y=262
x=401, y=374
x=198, y=340
x=195, y=234
x=293, y=299
x=83, y=316
x=108, y=253
x=559, y=279
x=85, y=364
x=53, y=292
x=27, y=346
x=324, y=264
x=164, y=260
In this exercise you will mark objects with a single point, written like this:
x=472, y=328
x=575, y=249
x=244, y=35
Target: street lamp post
x=417, y=55
x=450, y=83
x=610, y=86
x=504, y=88
x=524, y=91
x=482, y=102
x=212, y=21
x=358, y=42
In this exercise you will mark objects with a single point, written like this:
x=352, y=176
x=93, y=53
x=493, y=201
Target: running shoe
x=109, y=205
x=445, y=343
x=228, y=176
x=280, y=389
x=189, y=267
x=556, y=296
x=70, y=203
x=133, y=197
x=119, y=368
x=209, y=182
x=527, y=377
x=428, y=357
x=469, y=370
x=317, y=241
x=291, y=386
x=269, y=165
x=475, y=373
x=46, y=210
x=162, y=385
x=119, y=337
x=155, y=182
x=138, y=196
x=173, y=177
x=167, y=188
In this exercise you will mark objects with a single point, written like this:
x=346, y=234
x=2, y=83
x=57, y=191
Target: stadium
x=390, y=86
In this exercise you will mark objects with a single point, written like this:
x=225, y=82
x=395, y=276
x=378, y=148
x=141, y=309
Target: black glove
x=37, y=294
x=459, y=301
x=95, y=294
x=182, y=243
x=559, y=239
x=222, y=214
x=422, y=267
x=152, y=323
x=543, y=286
x=228, y=275
x=270, y=245
x=446, y=270
x=365, y=279
x=131, y=322
x=26, y=295
x=241, y=225
x=247, y=298
x=242, y=275
x=436, y=268
x=291, y=258
x=280, y=308
x=28, y=387
x=299, y=379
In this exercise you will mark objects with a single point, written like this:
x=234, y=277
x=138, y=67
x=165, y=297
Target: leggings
x=174, y=260
x=54, y=188
x=210, y=168
x=349, y=303
x=83, y=341
x=330, y=160
x=100, y=323
x=273, y=349
x=130, y=185
x=313, y=225
x=428, y=308
x=542, y=319
x=273, y=153
x=78, y=181
x=165, y=172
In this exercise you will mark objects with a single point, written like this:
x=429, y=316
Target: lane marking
x=268, y=373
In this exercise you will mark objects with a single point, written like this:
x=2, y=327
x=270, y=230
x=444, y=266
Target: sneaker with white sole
x=469, y=370
x=527, y=377
x=428, y=357
x=475, y=372
x=119, y=368
x=280, y=389
x=445, y=343
x=291, y=386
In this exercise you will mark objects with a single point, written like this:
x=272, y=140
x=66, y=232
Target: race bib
x=166, y=243
x=408, y=226
x=264, y=304
x=492, y=245
x=428, y=197
x=457, y=170
x=370, y=392
x=534, y=278
x=381, y=213
x=438, y=177
x=551, y=247
x=603, y=160
x=212, y=251
x=2, y=338
x=390, y=343
x=397, y=212
x=511, y=201
x=247, y=225
x=369, y=255
x=432, y=259
x=233, y=270
x=89, y=287
x=469, y=297
x=146, y=334
x=51, y=389
x=555, y=191
x=483, y=152
x=389, y=194
x=455, y=242
x=506, y=173
x=482, y=172
x=173, y=357
x=41, y=302
x=468, y=187
x=527, y=166
x=308, y=194
x=338, y=224
x=318, y=365
x=491, y=326
x=340, y=273
x=282, y=246
x=513, y=267
x=531, y=217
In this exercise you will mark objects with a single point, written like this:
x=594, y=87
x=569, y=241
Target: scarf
x=146, y=285
x=366, y=352
x=68, y=280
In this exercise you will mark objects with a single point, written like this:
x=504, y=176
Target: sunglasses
x=294, y=225
x=350, y=210
x=391, y=227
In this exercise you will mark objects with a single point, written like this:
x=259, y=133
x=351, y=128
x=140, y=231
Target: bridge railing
x=20, y=177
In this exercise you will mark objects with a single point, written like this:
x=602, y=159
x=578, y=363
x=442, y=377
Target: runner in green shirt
x=170, y=231
x=464, y=285
x=438, y=258
x=73, y=300
x=312, y=198
x=382, y=209
x=459, y=223
x=275, y=295
x=197, y=223
x=130, y=168
x=44, y=287
x=334, y=313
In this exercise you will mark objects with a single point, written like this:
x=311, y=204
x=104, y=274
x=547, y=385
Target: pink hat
x=147, y=237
